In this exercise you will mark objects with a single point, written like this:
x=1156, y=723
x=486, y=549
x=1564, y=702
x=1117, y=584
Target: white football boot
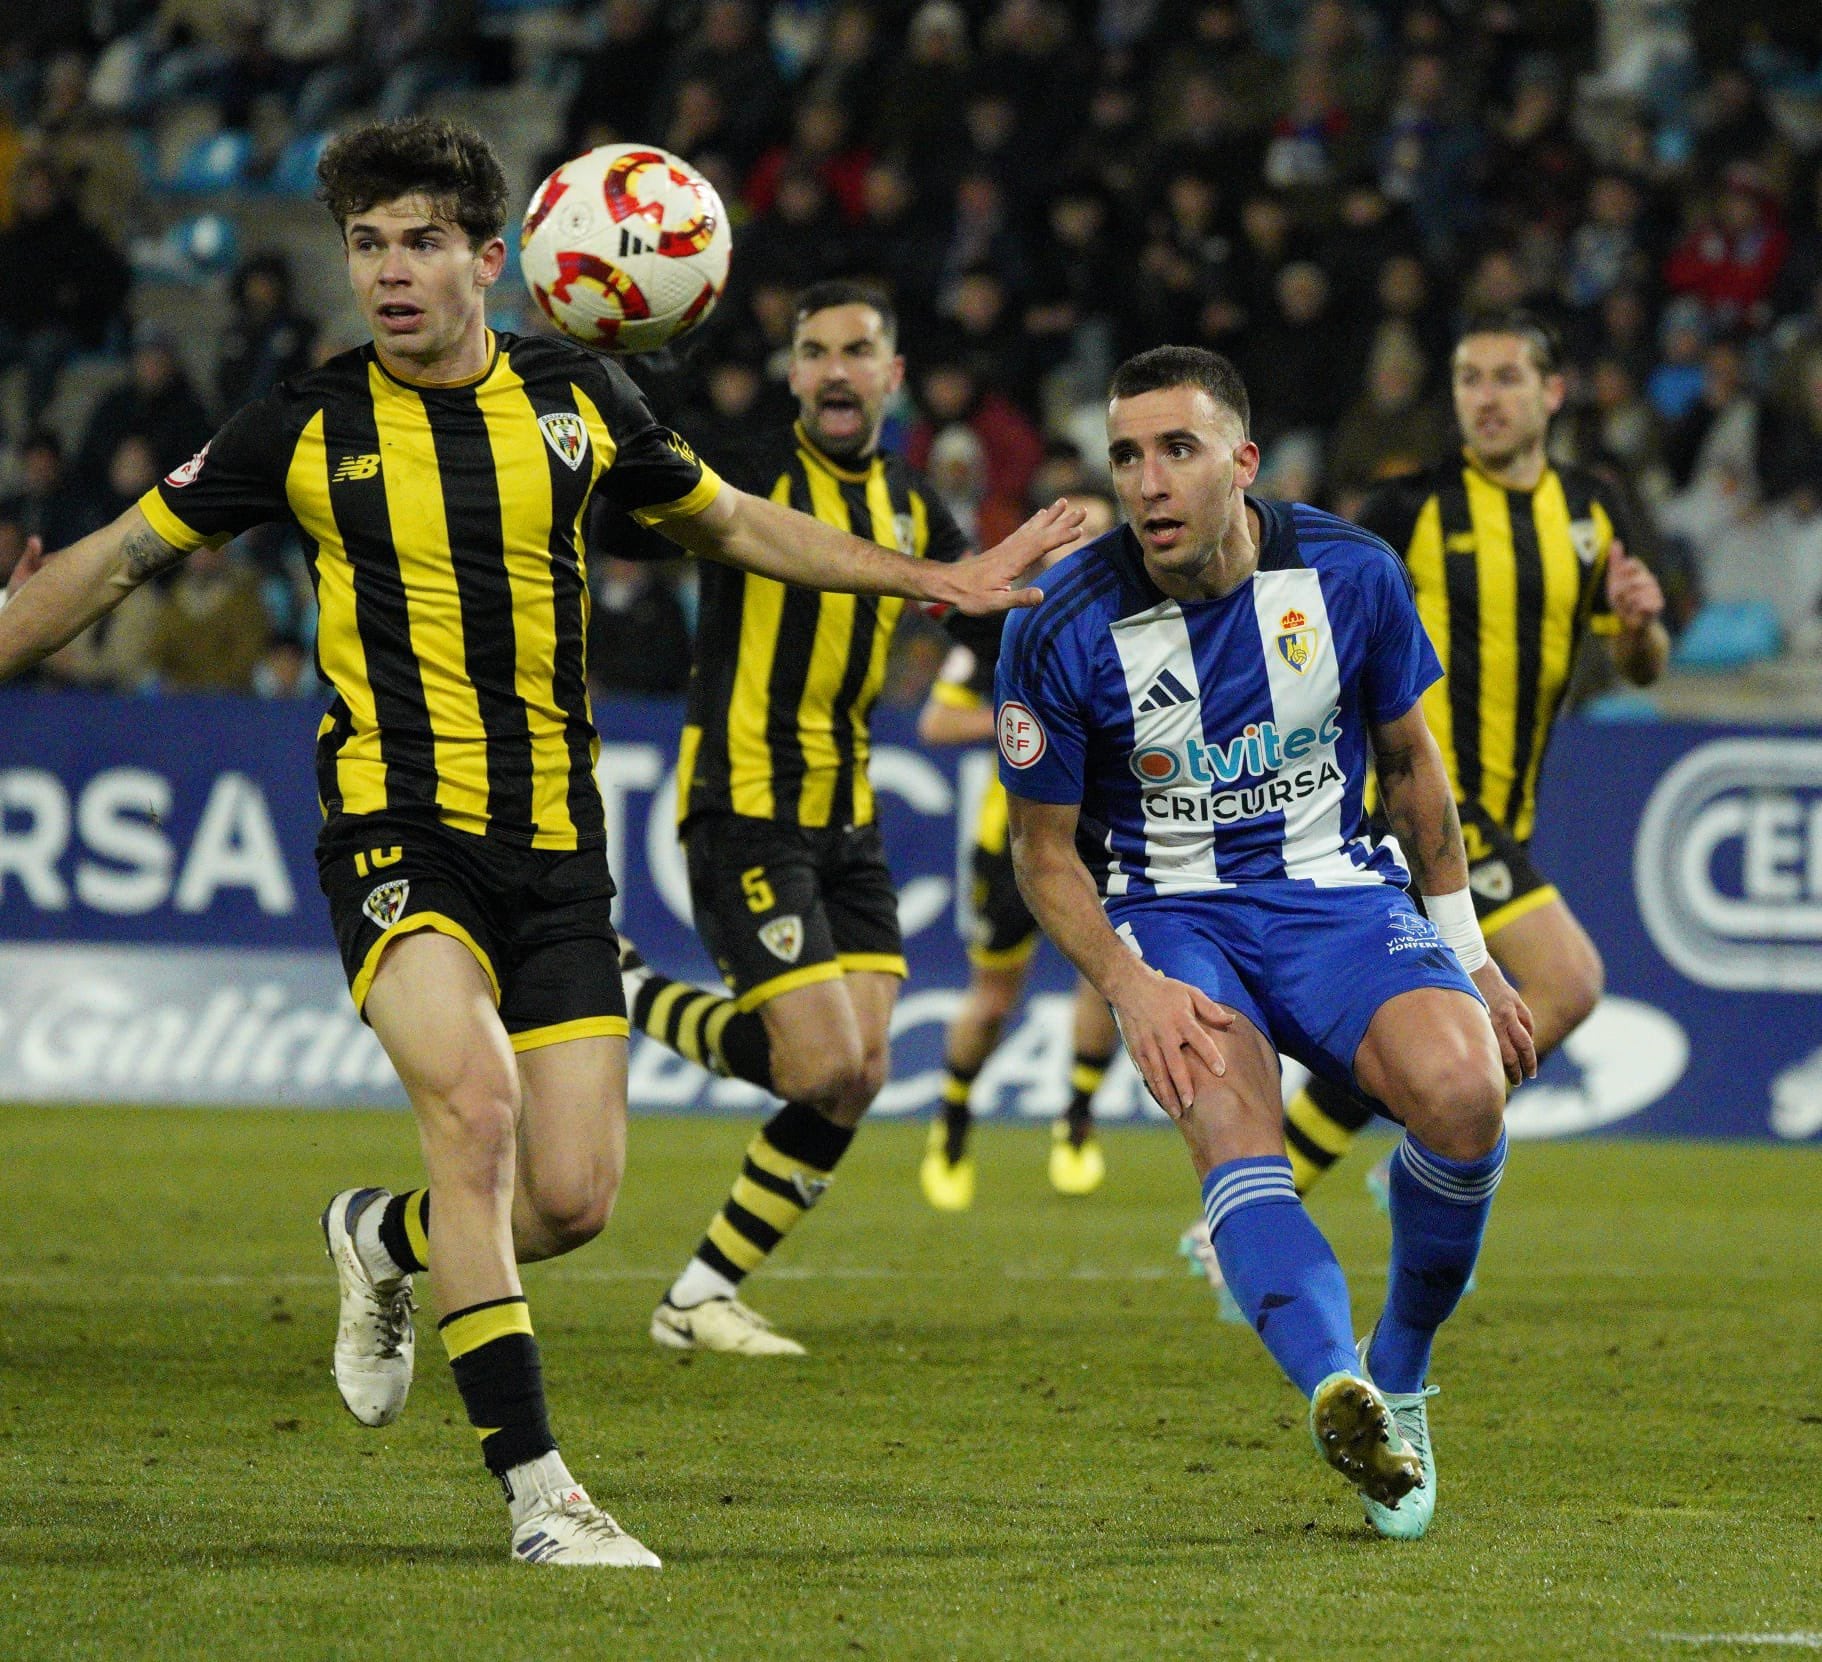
x=569, y=1528
x=374, y=1343
x=723, y=1324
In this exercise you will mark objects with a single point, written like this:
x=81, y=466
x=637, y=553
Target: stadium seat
x=294, y=173
x=1729, y=634
x=217, y=162
x=193, y=250
x=1622, y=704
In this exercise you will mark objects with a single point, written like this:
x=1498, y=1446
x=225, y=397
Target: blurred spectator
x=1606, y=249
x=1299, y=357
x=1712, y=453
x=731, y=422
x=799, y=240
x=820, y=144
x=47, y=505
x=1427, y=156
x=63, y=287
x=852, y=64
x=1077, y=289
x=614, y=95
x=950, y=393
x=1537, y=169
x=212, y=630
x=1391, y=428
x=638, y=632
x=266, y=338
x=980, y=329
x=729, y=54
x=920, y=111
x=891, y=242
x=1677, y=380
x=1731, y=259
x=983, y=233
x=401, y=51
x=957, y=471
x=157, y=404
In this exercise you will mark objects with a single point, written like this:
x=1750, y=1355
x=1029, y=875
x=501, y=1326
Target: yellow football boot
x=1075, y=1169
x=948, y=1186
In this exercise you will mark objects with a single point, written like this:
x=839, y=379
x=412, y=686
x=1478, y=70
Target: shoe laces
x=1408, y=1415
x=391, y=1311
x=586, y=1516
x=748, y=1314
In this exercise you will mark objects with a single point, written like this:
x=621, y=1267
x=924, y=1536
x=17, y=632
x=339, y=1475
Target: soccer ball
x=625, y=248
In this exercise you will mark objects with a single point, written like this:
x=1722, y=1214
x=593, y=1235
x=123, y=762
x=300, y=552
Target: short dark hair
x=820, y=297
x=1546, y=345
x=1164, y=367
x=448, y=163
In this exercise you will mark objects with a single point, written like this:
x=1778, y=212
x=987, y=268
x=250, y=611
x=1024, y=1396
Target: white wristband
x=1453, y=915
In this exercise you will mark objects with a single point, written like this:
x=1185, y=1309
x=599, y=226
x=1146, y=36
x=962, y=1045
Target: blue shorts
x=1308, y=967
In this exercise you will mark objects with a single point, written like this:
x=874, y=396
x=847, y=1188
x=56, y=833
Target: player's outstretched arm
x=1159, y=1018
x=741, y=529
x=1414, y=789
x=52, y=598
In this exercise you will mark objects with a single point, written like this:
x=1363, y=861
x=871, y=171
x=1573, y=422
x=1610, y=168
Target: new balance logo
x=1164, y=692
x=355, y=467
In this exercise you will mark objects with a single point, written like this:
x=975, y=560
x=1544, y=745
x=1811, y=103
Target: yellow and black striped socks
x=786, y=1169
x=707, y=1028
x=1319, y=1126
x=495, y=1362
x=1085, y=1078
x=958, y=1082
x=404, y=1230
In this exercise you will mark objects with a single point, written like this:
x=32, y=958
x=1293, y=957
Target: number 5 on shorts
x=757, y=890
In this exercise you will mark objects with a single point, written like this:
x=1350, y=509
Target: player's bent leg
x=1556, y=968
x=1077, y=1164
x=946, y=1173
x=571, y=1144
x=431, y=1006
x=1320, y=1124
x=1431, y=1056
x=1280, y=1269
x=788, y=1165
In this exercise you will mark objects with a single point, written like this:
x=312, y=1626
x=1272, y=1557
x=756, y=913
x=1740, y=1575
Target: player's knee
x=478, y=1116
x=827, y=1074
x=1576, y=986
x=994, y=994
x=1456, y=1098
x=575, y=1214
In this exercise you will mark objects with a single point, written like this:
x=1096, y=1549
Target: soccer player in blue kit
x=1185, y=729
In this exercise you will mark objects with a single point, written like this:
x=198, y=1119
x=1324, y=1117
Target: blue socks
x=1281, y=1271
x=1439, y=1213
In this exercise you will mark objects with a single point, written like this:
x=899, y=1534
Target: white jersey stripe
x=1165, y=699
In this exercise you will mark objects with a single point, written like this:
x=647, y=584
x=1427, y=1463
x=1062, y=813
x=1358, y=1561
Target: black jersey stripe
x=1523, y=509
x=382, y=620
x=472, y=509
x=1461, y=579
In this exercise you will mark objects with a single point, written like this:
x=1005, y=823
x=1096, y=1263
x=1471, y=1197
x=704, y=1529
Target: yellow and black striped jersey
x=785, y=677
x=965, y=682
x=444, y=527
x=1508, y=585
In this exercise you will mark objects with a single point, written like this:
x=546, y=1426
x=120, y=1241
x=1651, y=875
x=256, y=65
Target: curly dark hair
x=430, y=156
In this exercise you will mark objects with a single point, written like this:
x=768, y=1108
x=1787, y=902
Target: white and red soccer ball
x=625, y=248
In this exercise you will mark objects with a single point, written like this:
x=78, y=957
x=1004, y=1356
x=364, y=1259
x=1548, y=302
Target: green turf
x=1020, y=1432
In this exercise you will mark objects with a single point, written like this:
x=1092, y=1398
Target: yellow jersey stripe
x=828, y=664
x=420, y=535
x=1424, y=558
x=749, y=756
x=1498, y=580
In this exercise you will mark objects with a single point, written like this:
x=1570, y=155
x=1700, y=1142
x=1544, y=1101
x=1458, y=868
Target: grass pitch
x=1021, y=1432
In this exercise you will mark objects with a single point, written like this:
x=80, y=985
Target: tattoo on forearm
x=1429, y=847
x=147, y=554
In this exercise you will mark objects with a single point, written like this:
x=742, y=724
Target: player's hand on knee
x=1512, y=1025
x=1165, y=1022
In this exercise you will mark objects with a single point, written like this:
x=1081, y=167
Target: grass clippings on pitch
x=1021, y=1432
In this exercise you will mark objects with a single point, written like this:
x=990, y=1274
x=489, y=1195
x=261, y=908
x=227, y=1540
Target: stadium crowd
x=1321, y=188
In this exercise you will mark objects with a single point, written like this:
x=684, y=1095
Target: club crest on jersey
x=904, y=528
x=1585, y=538
x=1297, y=638
x=386, y=905
x=565, y=433
x=783, y=937
x=1491, y=880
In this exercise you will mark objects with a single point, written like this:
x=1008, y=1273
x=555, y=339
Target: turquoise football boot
x=1352, y=1428
x=1407, y=1518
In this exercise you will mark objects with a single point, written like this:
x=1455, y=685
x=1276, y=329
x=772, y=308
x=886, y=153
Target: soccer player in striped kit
x=1202, y=693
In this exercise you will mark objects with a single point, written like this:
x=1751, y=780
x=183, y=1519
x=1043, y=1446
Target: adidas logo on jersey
x=1163, y=693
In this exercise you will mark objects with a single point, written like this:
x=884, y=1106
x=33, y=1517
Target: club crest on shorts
x=565, y=433
x=783, y=937
x=1297, y=638
x=1407, y=932
x=1491, y=879
x=386, y=905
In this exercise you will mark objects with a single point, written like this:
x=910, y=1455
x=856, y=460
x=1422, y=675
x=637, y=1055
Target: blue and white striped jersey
x=1216, y=743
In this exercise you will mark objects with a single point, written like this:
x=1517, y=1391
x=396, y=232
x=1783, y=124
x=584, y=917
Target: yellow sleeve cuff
x=167, y=524
x=955, y=696
x=708, y=487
